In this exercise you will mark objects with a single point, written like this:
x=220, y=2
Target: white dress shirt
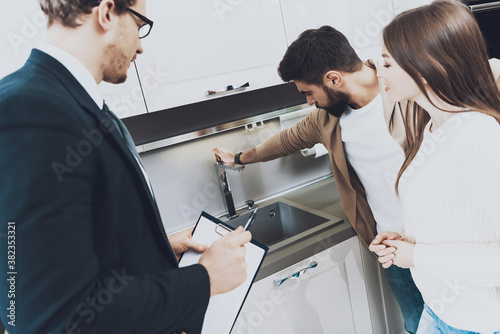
x=77, y=69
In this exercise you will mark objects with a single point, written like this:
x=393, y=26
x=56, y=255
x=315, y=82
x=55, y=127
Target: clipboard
x=223, y=309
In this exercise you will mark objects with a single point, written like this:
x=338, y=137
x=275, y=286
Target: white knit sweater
x=451, y=199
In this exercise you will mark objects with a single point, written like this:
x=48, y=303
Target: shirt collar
x=77, y=69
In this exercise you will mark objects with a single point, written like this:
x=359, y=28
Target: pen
x=250, y=220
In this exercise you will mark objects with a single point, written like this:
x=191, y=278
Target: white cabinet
x=200, y=45
x=402, y=5
x=196, y=46
x=361, y=21
x=330, y=298
x=22, y=27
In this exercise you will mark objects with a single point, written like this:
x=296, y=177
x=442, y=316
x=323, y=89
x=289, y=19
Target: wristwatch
x=237, y=158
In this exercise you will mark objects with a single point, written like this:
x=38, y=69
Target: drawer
x=320, y=300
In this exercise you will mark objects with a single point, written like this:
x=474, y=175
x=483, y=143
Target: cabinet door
x=361, y=21
x=324, y=299
x=22, y=27
x=402, y=5
x=200, y=45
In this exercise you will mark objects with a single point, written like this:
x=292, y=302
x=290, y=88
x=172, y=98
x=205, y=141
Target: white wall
x=22, y=27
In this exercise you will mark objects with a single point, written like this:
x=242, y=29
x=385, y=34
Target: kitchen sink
x=284, y=222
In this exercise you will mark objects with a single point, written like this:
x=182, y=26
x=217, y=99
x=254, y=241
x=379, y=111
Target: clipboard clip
x=221, y=229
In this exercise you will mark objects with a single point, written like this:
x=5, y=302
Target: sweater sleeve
x=304, y=134
x=473, y=263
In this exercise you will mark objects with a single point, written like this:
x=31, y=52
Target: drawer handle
x=485, y=7
x=229, y=88
x=278, y=282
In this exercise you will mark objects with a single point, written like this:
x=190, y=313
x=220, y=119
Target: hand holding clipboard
x=230, y=286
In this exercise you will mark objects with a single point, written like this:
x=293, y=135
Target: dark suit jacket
x=91, y=253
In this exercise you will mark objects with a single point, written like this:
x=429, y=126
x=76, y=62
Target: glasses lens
x=144, y=30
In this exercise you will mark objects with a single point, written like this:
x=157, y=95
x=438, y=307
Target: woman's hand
x=385, y=254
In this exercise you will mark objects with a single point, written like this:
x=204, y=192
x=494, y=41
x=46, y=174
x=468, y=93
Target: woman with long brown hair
x=449, y=184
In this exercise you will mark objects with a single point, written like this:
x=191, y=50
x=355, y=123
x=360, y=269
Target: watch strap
x=237, y=158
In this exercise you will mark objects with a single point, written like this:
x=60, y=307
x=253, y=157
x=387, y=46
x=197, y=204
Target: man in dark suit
x=87, y=251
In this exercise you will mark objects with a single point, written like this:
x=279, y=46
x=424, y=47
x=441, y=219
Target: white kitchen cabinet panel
x=22, y=27
x=402, y=5
x=200, y=45
x=330, y=298
x=361, y=21
x=358, y=291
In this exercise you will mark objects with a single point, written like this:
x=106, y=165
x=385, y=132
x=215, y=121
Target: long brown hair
x=441, y=43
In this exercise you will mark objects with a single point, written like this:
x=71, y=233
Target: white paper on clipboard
x=223, y=309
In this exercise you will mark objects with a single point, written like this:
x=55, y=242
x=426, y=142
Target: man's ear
x=333, y=79
x=105, y=14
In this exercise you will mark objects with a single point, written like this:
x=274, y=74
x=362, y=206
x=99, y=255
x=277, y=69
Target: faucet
x=227, y=198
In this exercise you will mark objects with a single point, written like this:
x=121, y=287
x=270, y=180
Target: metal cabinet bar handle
x=485, y=6
x=278, y=282
x=229, y=88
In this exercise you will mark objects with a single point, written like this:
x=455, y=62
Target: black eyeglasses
x=145, y=29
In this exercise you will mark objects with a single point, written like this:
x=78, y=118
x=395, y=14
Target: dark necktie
x=125, y=134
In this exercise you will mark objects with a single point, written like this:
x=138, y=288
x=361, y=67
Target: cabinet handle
x=229, y=88
x=484, y=7
x=278, y=282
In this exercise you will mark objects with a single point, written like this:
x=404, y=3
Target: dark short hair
x=68, y=12
x=316, y=52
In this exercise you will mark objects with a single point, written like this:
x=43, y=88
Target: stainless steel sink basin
x=284, y=221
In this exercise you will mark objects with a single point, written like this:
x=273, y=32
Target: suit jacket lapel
x=86, y=102
x=78, y=92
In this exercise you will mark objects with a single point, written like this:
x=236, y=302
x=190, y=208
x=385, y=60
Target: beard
x=337, y=102
x=116, y=71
